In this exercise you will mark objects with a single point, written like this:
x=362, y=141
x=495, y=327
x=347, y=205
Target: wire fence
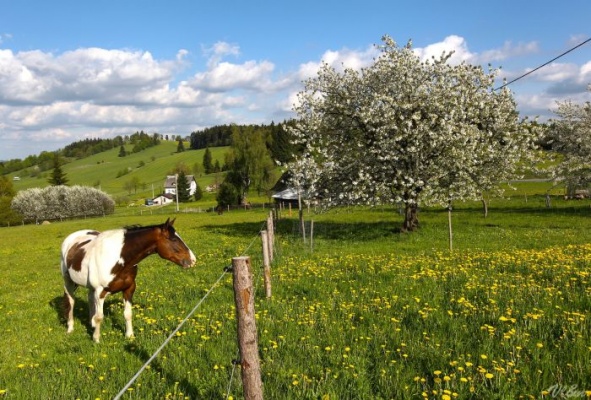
x=180, y=325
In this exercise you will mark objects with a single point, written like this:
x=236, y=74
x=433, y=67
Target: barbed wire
x=168, y=339
x=174, y=332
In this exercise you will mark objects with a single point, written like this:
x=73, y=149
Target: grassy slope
x=366, y=315
x=102, y=169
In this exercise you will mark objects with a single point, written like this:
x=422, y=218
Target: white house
x=163, y=199
x=170, y=184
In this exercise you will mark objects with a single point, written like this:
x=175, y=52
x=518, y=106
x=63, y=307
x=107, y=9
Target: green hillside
x=104, y=170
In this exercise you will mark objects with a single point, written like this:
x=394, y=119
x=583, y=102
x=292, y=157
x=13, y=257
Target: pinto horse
x=106, y=263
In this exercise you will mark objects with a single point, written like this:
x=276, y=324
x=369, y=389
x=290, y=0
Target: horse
x=107, y=263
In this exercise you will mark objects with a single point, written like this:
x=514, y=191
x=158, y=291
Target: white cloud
x=225, y=76
x=218, y=51
x=451, y=43
x=461, y=52
x=49, y=100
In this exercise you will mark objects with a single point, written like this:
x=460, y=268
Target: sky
x=71, y=70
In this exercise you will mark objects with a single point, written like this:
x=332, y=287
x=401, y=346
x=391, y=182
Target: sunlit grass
x=369, y=313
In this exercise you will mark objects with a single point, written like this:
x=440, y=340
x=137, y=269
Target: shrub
x=58, y=202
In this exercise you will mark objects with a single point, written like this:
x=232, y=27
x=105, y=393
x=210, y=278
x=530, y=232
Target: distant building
x=163, y=199
x=286, y=196
x=170, y=185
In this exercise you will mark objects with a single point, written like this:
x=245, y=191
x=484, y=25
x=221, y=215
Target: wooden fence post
x=271, y=236
x=266, y=264
x=247, y=331
x=312, y=236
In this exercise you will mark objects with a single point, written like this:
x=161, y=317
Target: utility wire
x=543, y=65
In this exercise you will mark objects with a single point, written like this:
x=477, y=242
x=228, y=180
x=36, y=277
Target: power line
x=543, y=65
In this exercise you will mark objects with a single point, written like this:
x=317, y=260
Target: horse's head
x=171, y=247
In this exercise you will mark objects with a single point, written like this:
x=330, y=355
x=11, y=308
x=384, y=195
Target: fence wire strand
x=173, y=333
x=168, y=339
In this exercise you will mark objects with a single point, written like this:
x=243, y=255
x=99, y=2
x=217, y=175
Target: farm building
x=163, y=199
x=286, y=196
x=170, y=185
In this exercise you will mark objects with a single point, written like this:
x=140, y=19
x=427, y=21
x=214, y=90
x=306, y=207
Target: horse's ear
x=169, y=222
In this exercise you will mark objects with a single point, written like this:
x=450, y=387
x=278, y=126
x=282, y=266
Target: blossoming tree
x=571, y=139
x=408, y=131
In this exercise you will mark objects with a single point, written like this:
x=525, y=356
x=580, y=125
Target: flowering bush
x=58, y=202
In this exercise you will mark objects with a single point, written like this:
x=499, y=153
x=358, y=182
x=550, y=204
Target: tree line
x=275, y=136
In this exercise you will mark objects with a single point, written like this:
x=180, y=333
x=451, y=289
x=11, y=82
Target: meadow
x=367, y=313
x=150, y=167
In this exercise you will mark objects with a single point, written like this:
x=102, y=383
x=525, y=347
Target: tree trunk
x=411, y=218
x=484, y=207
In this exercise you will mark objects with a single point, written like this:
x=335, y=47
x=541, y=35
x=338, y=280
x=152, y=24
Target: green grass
x=369, y=313
x=150, y=166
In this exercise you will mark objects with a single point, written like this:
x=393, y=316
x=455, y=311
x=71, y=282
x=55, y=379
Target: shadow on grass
x=81, y=313
x=188, y=389
x=329, y=230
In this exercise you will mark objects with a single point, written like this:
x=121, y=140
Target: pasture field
x=149, y=167
x=368, y=313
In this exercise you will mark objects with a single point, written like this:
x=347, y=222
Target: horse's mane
x=137, y=227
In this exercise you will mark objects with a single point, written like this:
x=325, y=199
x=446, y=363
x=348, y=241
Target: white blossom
x=406, y=130
x=58, y=202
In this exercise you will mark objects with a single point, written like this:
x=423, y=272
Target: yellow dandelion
x=489, y=376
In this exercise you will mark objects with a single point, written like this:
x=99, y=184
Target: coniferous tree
x=207, y=161
x=182, y=187
x=198, y=195
x=180, y=147
x=58, y=176
x=122, y=152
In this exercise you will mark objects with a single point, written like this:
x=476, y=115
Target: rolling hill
x=109, y=172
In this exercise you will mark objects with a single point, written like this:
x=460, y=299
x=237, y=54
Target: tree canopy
x=571, y=140
x=249, y=161
x=58, y=176
x=408, y=131
x=57, y=202
x=182, y=187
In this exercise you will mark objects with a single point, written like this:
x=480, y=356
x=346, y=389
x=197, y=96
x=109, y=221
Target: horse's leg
x=127, y=312
x=91, y=306
x=99, y=300
x=69, y=289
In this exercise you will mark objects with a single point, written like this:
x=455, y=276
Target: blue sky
x=71, y=70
